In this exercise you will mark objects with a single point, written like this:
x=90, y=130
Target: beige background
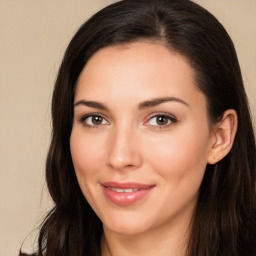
x=33, y=36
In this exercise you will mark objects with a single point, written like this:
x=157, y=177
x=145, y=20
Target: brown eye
x=93, y=120
x=97, y=120
x=162, y=120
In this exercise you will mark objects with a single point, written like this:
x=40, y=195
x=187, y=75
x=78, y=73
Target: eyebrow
x=145, y=104
x=157, y=101
x=91, y=104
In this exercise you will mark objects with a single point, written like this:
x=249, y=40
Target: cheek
x=180, y=157
x=86, y=155
x=85, y=152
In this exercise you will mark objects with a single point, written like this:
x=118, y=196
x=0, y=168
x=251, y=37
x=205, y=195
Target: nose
x=124, y=152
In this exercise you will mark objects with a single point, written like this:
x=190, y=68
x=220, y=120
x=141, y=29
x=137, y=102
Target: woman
x=153, y=150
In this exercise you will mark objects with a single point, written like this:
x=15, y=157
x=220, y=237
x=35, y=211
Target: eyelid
x=83, y=118
x=171, y=117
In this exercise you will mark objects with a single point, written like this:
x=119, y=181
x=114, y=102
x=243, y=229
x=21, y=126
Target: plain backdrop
x=33, y=37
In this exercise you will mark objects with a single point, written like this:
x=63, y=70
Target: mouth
x=119, y=190
x=125, y=193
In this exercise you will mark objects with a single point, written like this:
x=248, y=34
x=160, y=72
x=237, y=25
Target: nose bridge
x=123, y=150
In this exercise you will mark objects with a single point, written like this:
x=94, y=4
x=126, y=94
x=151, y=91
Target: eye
x=93, y=120
x=161, y=120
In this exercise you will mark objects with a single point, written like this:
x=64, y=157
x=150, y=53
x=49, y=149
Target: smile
x=119, y=190
x=125, y=193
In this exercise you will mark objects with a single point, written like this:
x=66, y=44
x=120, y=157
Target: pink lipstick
x=125, y=193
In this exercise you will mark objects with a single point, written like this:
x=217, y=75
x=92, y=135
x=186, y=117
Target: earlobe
x=223, y=136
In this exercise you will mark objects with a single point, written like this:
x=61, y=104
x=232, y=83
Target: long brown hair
x=224, y=222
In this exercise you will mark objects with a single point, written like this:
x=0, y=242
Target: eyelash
x=83, y=120
x=171, y=120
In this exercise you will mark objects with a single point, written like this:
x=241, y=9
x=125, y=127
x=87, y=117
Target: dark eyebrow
x=157, y=101
x=146, y=104
x=92, y=104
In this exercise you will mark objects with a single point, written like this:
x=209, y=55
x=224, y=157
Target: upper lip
x=126, y=185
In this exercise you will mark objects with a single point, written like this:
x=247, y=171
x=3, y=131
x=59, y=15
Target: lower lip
x=125, y=198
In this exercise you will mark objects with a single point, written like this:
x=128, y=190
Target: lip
x=138, y=191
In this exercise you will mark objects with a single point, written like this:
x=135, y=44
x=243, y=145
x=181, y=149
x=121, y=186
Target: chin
x=127, y=225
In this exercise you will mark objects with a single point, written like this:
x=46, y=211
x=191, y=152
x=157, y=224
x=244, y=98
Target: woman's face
x=140, y=137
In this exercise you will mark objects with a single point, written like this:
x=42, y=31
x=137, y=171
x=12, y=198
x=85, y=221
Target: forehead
x=139, y=70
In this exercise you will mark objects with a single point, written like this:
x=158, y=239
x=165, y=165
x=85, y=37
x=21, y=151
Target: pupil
x=96, y=120
x=161, y=120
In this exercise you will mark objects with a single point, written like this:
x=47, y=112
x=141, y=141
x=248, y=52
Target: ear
x=223, y=136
